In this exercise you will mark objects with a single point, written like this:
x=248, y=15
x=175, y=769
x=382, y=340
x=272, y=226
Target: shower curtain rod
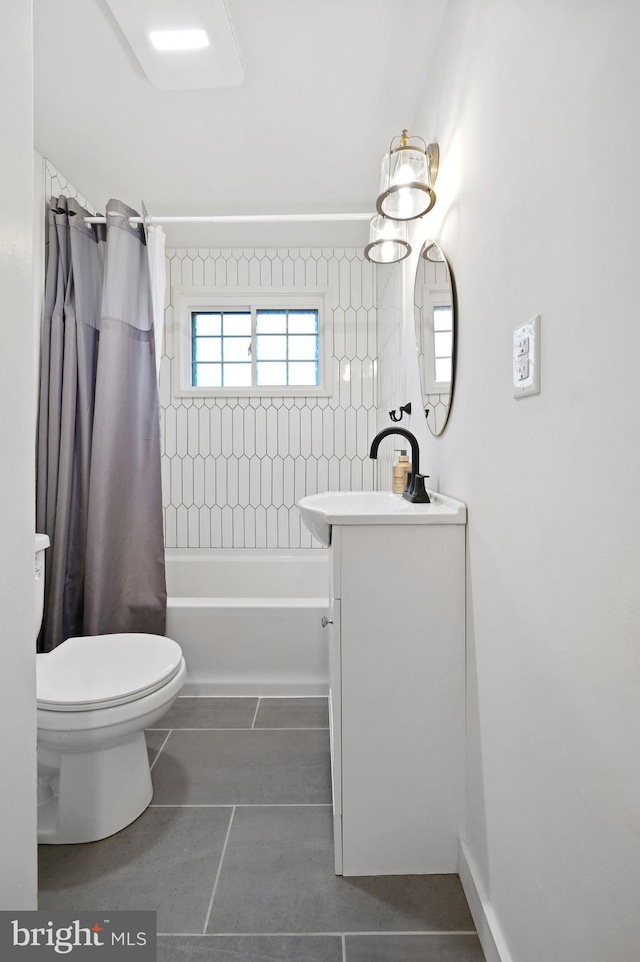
x=236, y=218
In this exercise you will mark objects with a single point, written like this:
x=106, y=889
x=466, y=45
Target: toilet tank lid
x=42, y=542
x=103, y=669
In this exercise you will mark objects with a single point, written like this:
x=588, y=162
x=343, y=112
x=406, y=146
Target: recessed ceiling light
x=169, y=62
x=179, y=39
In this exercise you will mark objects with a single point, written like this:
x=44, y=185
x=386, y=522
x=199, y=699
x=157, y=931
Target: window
x=442, y=341
x=279, y=350
x=274, y=346
x=436, y=359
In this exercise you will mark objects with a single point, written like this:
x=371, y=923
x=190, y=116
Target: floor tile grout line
x=248, y=805
x=308, y=935
x=344, y=947
x=251, y=697
x=217, y=879
x=319, y=728
x=159, y=750
x=308, y=728
x=253, y=723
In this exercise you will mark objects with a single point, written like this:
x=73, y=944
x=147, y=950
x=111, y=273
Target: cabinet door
x=335, y=728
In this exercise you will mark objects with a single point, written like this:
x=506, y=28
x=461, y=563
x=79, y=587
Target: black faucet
x=415, y=490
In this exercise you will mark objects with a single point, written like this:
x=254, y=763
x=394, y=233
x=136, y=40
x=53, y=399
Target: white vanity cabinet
x=397, y=711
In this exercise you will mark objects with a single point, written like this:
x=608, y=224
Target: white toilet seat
x=85, y=674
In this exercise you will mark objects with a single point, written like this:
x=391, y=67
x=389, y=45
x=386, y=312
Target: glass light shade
x=405, y=192
x=388, y=242
x=431, y=252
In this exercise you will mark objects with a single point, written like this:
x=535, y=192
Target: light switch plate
x=526, y=359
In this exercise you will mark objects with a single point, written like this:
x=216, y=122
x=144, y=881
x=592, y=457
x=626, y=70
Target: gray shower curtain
x=98, y=463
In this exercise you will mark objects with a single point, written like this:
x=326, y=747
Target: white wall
x=534, y=104
x=234, y=468
x=18, y=878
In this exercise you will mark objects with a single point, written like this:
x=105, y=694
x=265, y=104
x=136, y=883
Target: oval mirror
x=435, y=321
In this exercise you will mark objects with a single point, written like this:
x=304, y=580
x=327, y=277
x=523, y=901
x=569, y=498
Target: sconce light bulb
x=404, y=174
x=405, y=203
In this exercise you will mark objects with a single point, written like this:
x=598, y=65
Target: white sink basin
x=320, y=511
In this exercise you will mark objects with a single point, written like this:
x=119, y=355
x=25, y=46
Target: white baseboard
x=489, y=932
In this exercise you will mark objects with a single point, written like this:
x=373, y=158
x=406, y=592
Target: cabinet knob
x=325, y=621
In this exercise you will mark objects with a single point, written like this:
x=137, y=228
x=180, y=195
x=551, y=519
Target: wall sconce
x=388, y=242
x=409, y=172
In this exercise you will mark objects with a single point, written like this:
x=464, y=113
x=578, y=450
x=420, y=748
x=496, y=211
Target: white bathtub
x=249, y=620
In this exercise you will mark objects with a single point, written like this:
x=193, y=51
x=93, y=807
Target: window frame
x=188, y=301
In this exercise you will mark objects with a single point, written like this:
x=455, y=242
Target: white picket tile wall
x=233, y=468
x=390, y=367
x=56, y=183
x=438, y=406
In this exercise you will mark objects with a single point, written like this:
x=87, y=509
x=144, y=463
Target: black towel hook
x=404, y=409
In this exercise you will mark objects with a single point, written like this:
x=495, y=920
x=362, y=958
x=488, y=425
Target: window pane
x=303, y=322
x=271, y=322
x=303, y=372
x=236, y=323
x=237, y=375
x=303, y=348
x=271, y=347
x=207, y=324
x=207, y=375
x=271, y=373
x=236, y=348
x=442, y=318
x=443, y=369
x=442, y=343
x=208, y=348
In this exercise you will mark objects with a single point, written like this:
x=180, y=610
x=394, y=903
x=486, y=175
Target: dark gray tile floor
x=155, y=741
x=190, y=712
x=278, y=875
x=251, y=948
x=236, y=852
x=166, y=861
x=243, y=768
x=292, y=713
x=413, y=948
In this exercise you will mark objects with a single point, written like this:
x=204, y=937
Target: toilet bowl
x=95, y=697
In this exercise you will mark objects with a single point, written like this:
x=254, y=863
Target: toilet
x=95, y=697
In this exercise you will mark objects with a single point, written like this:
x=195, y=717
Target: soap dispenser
x=401, y=469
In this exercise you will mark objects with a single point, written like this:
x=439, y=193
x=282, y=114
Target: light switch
x=526, y=359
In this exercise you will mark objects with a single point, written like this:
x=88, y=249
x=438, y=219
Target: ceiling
x=326, y=85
